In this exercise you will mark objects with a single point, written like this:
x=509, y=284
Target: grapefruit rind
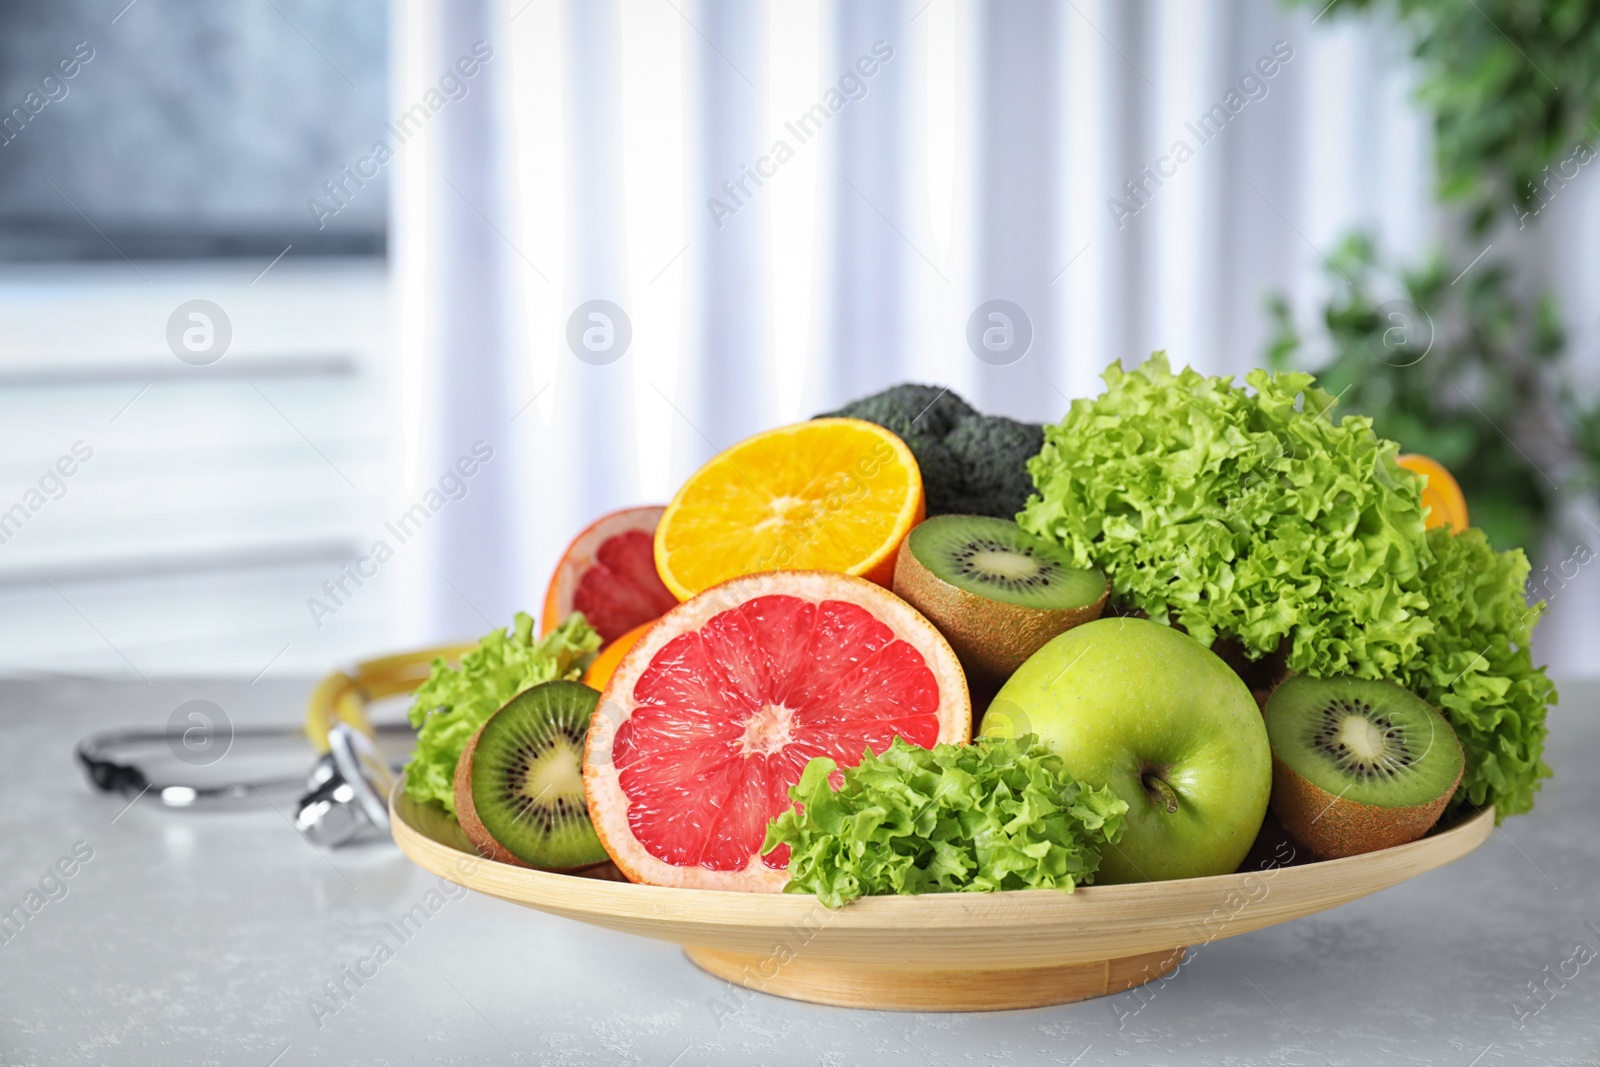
x=580, y=555
x=876, y=566
x=608, y=803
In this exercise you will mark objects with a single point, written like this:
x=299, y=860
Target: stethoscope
x=344, y=799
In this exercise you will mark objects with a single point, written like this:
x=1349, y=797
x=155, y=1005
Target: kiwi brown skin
x=1334, y=827
x=467, y=811
x=991, y=638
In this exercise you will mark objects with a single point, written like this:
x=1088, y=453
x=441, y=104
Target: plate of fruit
x=908, y=706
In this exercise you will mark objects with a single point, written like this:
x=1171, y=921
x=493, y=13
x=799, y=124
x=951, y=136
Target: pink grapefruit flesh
x=713, y=714
x=609, y=574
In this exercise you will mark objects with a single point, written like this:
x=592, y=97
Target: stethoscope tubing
x=110, y=771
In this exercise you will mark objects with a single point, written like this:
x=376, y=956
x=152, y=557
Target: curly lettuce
x=1256, y=517
x=455, y=701
x=997, y=814
x=1252, y=516
x=1477, y=668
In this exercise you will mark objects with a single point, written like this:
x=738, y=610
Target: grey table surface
x=186, y=937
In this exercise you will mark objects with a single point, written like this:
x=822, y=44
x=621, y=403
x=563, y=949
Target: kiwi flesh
x=1358, y=765
x=996, y=592
x=519, y=782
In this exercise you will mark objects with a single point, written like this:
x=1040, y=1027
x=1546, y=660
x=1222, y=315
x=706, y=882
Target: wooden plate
x=946, y=951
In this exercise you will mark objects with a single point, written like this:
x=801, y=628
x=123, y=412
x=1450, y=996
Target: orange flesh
x=605, y=664
x=1441, y=495
x=830, y=494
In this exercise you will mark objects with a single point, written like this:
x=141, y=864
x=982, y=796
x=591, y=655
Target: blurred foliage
x=1513, y=87
x=1473, y=373
x=1444, y=370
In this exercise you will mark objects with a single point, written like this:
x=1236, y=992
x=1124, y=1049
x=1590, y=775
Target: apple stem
x=1160, y=792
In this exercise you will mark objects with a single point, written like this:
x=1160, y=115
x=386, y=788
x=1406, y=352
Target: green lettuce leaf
x=997, y=814
x=453, y=702
x=1254, y=516
x=1477, y=668
x=1251, y=516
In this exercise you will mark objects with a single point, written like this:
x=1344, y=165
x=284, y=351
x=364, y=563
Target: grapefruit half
x=712, y=715
x=609, y=574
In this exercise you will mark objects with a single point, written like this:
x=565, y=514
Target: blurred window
x=151, y=156
x=187, y=129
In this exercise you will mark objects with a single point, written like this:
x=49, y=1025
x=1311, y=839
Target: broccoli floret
x=971, y=464
x=944, y=477
x=909, y=410
x=994, y=452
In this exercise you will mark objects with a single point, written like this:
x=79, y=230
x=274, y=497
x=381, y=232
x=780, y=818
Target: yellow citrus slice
x=1441, y=495
x=829, y=494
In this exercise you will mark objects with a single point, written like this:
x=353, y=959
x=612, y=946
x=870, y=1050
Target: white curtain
x=798, y=202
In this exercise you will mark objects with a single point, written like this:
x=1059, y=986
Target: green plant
x=1463, y=365
x=1513, y=85
x=1463, y=373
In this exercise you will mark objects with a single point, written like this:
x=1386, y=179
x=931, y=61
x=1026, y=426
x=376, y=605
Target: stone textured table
x=216, y=938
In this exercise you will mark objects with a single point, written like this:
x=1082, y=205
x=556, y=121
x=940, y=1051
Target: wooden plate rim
x=577, y=895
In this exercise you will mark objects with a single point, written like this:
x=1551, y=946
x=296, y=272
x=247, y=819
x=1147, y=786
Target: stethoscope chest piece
x=347, y=792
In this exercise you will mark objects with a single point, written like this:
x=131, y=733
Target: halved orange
x=605, y=664
x=830, y=494
x=1441, y=495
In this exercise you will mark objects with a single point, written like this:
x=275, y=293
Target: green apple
x=1155, y=715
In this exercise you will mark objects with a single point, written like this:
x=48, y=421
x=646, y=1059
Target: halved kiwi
x=519, y=782
x=1358, y=765
x=995, y=591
